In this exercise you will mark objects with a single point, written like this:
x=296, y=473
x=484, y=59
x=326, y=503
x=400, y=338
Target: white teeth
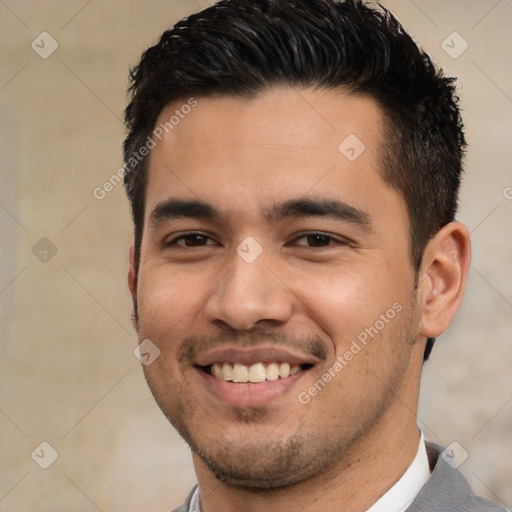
x=272, y=371
x=257, y=373
x=284, y=371
x=254, y=373
x=295, y=369
x=240, y=373
x=217, y=371
x=227, y=372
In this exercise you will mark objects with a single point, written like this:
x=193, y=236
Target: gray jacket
x=446, y=490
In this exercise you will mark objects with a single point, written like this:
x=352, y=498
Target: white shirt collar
x=404, y=492
x=195, y=502
x=397, y=499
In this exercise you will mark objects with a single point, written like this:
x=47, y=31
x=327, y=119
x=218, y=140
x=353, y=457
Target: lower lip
x=249, y=394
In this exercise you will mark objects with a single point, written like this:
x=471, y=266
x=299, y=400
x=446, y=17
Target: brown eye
x=192, y=240
x=316, y=240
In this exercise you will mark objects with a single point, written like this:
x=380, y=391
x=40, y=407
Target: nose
x=249, y=293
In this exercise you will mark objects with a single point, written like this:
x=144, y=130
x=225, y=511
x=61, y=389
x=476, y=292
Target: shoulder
x=448, y=490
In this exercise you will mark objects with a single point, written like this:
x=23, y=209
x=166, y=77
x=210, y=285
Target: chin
x=269, y=464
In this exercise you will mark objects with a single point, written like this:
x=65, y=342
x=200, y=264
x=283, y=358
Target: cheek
x=166, y=300
x=347, y=301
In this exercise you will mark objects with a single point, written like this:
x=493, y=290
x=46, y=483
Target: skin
x=357, y=436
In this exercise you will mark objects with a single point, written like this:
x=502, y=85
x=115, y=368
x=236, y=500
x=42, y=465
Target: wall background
x=68, y=373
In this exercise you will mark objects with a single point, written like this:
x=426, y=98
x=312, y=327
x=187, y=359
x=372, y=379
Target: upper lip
x=253, y=355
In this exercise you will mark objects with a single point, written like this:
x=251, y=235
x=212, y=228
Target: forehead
x=285, y=142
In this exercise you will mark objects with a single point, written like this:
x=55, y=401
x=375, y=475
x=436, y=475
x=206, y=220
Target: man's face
x=267, y=244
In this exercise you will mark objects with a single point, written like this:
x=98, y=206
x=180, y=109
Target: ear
x=443, y=278
x=132, y=283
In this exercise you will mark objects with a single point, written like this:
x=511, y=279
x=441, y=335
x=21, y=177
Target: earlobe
x=132, y=283
x=444, y=274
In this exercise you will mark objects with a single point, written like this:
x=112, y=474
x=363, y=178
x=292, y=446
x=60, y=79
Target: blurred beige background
x=69, y=376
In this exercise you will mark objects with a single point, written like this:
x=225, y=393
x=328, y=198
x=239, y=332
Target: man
x=293, y=170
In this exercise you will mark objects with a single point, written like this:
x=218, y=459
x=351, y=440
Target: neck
x=355, y=481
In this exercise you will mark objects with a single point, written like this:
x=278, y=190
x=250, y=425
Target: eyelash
x=184, y=236
x=333, y=240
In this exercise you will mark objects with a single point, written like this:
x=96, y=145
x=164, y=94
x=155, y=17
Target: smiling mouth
x=253, y=373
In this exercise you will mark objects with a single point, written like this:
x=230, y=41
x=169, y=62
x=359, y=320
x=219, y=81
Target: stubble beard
x=266, y=463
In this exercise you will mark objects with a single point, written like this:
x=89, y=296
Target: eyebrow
x=175, y=208
x=312, y=207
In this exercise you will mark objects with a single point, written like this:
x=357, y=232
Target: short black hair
x=243, y=47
